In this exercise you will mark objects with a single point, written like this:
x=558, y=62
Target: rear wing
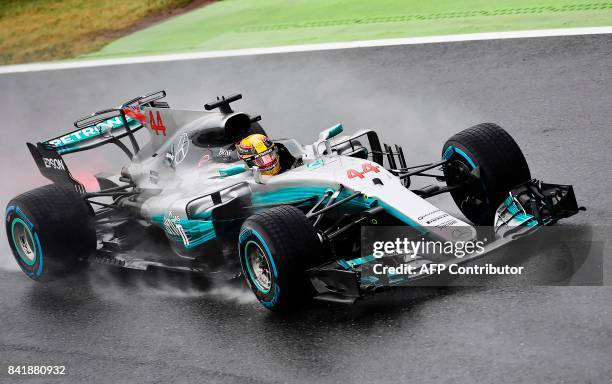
x=100, y=128
x=108, y=126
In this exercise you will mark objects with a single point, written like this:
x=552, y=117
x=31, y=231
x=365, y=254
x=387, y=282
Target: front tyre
x=50, y=230
x=275, y=249
x=501, y=165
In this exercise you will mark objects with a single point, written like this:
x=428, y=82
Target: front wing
x=527, y=208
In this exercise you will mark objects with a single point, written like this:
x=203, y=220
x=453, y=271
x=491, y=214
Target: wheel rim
x=457, y=171
x=258, y=267
x=474, y=196
x=23, y=241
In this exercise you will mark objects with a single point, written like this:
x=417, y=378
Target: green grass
x=38, y=30
x=232, y=24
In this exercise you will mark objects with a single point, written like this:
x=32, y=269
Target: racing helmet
x=257, y=150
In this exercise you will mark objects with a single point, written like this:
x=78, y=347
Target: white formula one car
x=291, y=236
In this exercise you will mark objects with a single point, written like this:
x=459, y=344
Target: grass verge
x=232, y=24
x=40, y=30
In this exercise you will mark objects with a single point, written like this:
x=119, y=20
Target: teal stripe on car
x=360, y=260
x=522, y=217
x=290, y=194
x=197, y=232
x=70, y=142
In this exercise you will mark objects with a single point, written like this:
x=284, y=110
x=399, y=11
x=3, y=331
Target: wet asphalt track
x=552, y=94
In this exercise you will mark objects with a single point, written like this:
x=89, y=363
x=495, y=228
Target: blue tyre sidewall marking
x=465, y=156
x=264, y=296
x=448, y=153
x=35, y=270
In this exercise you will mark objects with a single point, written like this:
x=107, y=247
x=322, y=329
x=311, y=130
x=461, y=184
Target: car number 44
x=365, y=168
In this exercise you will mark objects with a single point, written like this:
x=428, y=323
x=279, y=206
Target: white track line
x=34, y=67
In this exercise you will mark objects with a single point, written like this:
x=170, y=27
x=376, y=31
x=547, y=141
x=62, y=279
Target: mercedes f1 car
x=186, y=202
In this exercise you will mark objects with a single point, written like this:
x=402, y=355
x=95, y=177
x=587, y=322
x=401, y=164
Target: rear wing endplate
x=53, y=167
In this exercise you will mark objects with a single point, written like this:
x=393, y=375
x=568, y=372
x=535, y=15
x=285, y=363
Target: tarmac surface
x=552, y=95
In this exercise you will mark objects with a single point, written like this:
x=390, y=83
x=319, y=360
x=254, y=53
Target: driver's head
x=258, y=150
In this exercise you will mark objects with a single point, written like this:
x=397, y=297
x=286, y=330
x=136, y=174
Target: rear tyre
x=275, y=249
x=501, y=164
x=50, y=231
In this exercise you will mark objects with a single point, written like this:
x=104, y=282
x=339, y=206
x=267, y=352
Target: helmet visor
x=267, y=160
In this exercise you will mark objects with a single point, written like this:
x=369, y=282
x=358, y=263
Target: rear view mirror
x=233, y=170
x=331, y=132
